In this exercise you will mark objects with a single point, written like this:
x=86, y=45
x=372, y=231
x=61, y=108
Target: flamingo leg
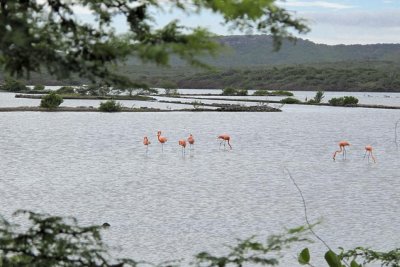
x=365, y=153
x=373, y=158
x=338, y=151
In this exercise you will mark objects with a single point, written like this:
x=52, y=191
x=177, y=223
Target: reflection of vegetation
x=110, y=106
x=290, y=100
x=51, y=100
x=343, y=101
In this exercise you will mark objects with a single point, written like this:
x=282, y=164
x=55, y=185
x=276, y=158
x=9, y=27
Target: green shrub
x=66, y=90
x=336, y=101
x=229, y=91
x=12, y=85
x=233, y=91
x=343, y=101
x=110, y=106
x=51, y=101
x=317, y=98
x=281, y=92
x=196, y=104
x=350, y=100
x=171, y=91
x=242, y=92
x=290, y=100
x=261, y=92
x=39, y=87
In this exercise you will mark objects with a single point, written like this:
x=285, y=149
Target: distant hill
x=257, y=50
x=249, y=61
x=250, y=50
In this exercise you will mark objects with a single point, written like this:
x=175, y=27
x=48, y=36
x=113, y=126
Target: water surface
x=162, y=205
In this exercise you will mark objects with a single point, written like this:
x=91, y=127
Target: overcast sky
x=331, y=21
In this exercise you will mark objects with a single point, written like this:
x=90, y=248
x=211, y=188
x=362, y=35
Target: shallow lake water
x=389, y=99
x=165, y=205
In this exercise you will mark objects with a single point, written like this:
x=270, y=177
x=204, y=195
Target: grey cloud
x=364, y=19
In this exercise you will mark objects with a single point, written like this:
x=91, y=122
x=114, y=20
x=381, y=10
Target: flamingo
x=146, y=142
x=190, y=140
x=368, y=150
x=161, y=139
x=224, y=138
x=182, y=143
x=342, y=145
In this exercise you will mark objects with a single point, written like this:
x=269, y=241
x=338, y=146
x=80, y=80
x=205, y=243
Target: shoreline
x=125, y=110
x=220, y=107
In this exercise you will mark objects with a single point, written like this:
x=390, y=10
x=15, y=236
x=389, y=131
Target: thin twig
x=306, y=215
x=395, y=132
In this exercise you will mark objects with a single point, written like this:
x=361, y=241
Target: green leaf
x=332, y=259
x=304, y=257
x=354, y=264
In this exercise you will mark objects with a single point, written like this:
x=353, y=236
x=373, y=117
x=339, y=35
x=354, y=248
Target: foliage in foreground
x=110, y=106
x=358, y=257
x=51, y=101
x=49, y=35
x=54, y=241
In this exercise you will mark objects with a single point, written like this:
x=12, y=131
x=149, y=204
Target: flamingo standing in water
x=342, y=145
x=190, y=140
x=161, y=139
x=146, y=142
x=182, y=143
x=368, y=150
x=225, y=138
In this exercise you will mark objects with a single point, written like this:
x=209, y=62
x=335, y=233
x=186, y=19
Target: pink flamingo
x=182, y=143
x=161, y=139
x=225, y=138
x=368, y=150
x=190, y=140
x=342, y=145
x=146, y=142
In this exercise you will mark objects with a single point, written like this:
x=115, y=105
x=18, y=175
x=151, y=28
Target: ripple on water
x=162, y=205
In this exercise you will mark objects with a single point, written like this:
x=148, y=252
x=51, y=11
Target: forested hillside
x=250, y=62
